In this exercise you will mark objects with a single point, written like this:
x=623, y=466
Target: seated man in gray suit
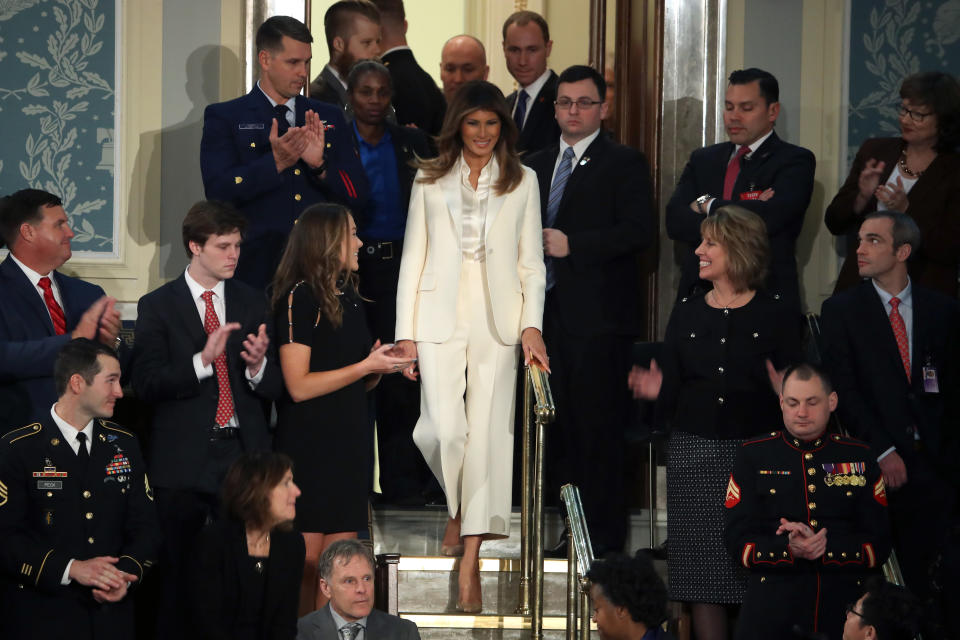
x=346, y=578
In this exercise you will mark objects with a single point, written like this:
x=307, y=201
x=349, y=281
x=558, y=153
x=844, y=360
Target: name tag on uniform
x=750, y=195
x=243, y=126
x=47, y=485
x=930, y=384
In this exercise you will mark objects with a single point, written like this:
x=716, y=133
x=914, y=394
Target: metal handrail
x=579, y=559
x=538, y=404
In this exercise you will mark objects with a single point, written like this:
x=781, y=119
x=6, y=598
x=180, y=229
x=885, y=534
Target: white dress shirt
x=473, y=209
x=220, y=308
x=578, y=150
x=907, y=182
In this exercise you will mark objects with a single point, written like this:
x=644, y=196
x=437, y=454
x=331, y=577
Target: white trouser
x=467, y=440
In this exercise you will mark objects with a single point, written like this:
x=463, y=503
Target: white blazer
x=432, y=256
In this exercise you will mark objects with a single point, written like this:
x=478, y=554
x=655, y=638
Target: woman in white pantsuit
x=471, y=289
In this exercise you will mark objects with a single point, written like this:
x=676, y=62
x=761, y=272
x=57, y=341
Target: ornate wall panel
x=57, y=110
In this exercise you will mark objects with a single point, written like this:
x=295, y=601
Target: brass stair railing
x=538, y=405
x=579, y=559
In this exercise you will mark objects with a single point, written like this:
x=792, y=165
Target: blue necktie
x=521, y=111
x=553, y=204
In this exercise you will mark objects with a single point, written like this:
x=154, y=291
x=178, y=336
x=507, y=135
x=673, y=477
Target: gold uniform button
x=858, y=554
x=812, y=471
x=296, y=172
x=818, y=442
x=812, y=488
x=763, y=578
x=237, y=179
x=830, y=554
x=771, y=554
x=297, y=197
x=720, y=400
x=772, y=491
x=89, y=515
x=90, y=540
x=253, y=145
x=812, y=506
x=808, y=456
x=329, y=145
x=813, y=523
x=86, y=494
x=785, y=555
x=849, y=493
x=843, y=555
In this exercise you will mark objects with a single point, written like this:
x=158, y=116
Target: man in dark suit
x=388, y=153
x=352, y=28
x=462, y=60
x=595, y=198
x=274, y=152
x=892, y=349
x=200, y=360
x=416, y=97
x=77, y=518
x=755, y=170
x=346, y=578
x=526, y=46
x=41, y=309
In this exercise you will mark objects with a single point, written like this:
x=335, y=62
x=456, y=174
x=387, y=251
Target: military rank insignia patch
x=880, y=492
x=733, y=494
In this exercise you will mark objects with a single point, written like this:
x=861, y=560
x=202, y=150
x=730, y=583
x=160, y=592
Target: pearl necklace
x=905, y=168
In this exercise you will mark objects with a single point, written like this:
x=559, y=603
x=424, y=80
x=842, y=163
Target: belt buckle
x=384, y=253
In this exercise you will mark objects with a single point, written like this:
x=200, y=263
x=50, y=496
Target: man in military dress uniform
x=77, y=519
x=806, y=513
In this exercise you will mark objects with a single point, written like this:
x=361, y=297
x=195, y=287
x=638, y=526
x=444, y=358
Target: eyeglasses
x=916, y=116
x=582, y=103
x=851, y=609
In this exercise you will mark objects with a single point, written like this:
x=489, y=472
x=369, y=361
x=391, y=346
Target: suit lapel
x=538, y=108
x=186, y=309
x=30, y=298
x=875, y=316
x=587, y=165
x=494, y=201
x=543, y=165
x=449, y=186
x=746, y=179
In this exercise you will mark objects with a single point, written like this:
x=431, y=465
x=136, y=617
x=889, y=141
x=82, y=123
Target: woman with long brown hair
x=471, y=289
x=328, y=366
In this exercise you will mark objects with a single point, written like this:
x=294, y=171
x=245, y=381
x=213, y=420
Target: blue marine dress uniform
x=238, y=166
x=831, y=483
x=50, y=513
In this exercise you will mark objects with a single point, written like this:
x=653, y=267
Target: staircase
x=427, y=591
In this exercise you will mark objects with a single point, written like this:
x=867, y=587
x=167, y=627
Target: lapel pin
x=102, y=438
x=585, y=160
x=54, y=441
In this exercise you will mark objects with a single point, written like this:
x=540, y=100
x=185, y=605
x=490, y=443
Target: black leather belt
x=224, y=433
x=385, y=250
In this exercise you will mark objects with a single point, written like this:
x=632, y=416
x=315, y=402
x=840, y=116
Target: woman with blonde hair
x=471, y=288
x=722, y=361
x=328, y=367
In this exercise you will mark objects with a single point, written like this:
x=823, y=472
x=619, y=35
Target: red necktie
x=900, y=333
x=733, y=170
x=225, y=400
x=56, y=311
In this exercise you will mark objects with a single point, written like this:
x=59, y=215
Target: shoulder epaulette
x=839, y=439
x=764, y=438
x=113, y=426
x=22, y=432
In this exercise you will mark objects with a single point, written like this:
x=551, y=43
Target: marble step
x=487, y=627
x=428, y=585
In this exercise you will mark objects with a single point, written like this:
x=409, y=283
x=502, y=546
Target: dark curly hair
x=632, y=583
x=893, y=611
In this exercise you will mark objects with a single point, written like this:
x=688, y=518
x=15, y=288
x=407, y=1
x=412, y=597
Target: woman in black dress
x=328, y=367
x=247, y=564
x=720, y=362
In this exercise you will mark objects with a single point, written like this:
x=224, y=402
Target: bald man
x=462, y=59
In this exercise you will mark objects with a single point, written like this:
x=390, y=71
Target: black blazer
x=327, y=88
x=416, y=97
x=540, y=129
x=221, y=554
x=607, y=214
x=785, y=167
x=877, y=404
x=168, y=333
x=933, y=201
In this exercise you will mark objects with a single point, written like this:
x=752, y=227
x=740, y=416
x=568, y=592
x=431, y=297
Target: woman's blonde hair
x=476, y=96
x=314, y=254
x=744, y=236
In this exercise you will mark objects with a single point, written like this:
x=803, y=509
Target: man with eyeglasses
x=755, y=170
x=884, y=612
x=805, y=515
x=595, y=200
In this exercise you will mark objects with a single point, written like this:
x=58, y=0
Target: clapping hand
x=315, y=136
x=287, y=148
x=893, y=196
x=803, y=542
x=255, y=349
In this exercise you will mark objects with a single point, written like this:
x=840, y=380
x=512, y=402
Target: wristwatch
x=117, y=342
x=319, y=170
x=702, y=200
